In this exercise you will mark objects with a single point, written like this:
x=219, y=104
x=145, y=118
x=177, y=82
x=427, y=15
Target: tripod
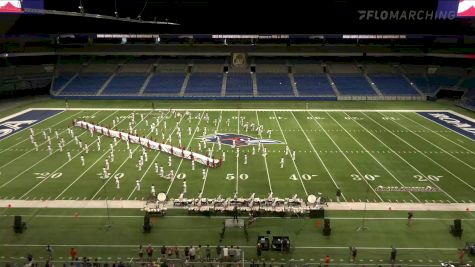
x=363, y=221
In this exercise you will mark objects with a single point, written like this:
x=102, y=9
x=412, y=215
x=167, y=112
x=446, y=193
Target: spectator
x=353, y=253
x=150, y=252
x=169, y=252
x=198, y=253
x=225, y=253
x=393, y=255
x=327, y=260
x=461, y=256
x=141, y=253
x=208, y=253
x=218, y=251
x=409, y=218
x=259, y=250
x=49, y=250
x=192, y=253
x=73, y=253
x=187, y=253
x=238, y=253
x=29, y=257
x=177, y=252
x=338, y=195
x=163, y=250
x=48, y=264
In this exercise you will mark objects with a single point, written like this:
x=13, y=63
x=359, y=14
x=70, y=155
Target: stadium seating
x=204, y=84
x=313, y=84
x=393, y=84
x=352, y=84
x=61, y=80
x=86, y=84
x=239, y=84
x=273, y=84
x=125, y=84
x=429, y=84
x=165, y=83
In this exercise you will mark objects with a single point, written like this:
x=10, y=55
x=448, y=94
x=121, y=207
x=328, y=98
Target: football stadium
x=237, y=133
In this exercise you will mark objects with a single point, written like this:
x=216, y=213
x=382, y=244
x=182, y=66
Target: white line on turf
x=423, y=154
x=181, y=161
x=38, y=162
x=265, y=158
x=92, y=165
x=125, y=161
x=243, y=246
x=403, y=159
x=431, y=143
x=64, y=164
x=237, y=158
x=212, y=151
x=318, y=155
x=344, y=155
x=295, y=165
x=32, y=149
x=436, y=132
x=15, y=115
x=154, y=159
x=38, y=133
x=384, y=167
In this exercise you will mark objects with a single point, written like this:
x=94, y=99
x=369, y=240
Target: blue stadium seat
x=239, y=84
x=125, y=84
x=429, y=84
x=273, y=84
x=86, y=84
x=61, y=80
x=205, y=84
x=313, y=84
x=352, y=84
x=392, y=84
x=165, y=83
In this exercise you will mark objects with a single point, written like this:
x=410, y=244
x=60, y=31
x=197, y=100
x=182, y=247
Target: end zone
x=20, y=121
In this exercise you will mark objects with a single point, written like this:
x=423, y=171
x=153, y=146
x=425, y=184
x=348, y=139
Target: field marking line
x=44, y=158
x=318, y=155
x=403, y=159
x=125, y=161
x=346, y=157
x=419, y=152
x=64, y=164
x=244, y=246
x=269, y=109
x=155, y=158
x=295, y=165
x=181, y=161
x=265, y=158
x=212, y=151
x=364, y=148
x=38, y=133
x=94, y=163
x=434, y=145
x=452, y=130
x=237, y=158
x=460, y=179
x=461, y=115
x=219, y=217
x=457, y=144
x=26, y=139
x=33, y=149
x=16, y=114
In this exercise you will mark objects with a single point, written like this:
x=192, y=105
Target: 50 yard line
x=265, y=158
x=237, y=158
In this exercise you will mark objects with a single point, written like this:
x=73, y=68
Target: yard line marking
x=243, y=246
x=38, y=133
x=181, y=161
x=351, y=163
x=212, y=150
x=237, y=158
x=384, y=167
x=265, y=158
x=64, y=164
x=457, y=144
x=125, y=161
x=6, y=183
x=156, y=156
x=92, y=165
x=31, y=150
x=286, y=143
x=435, y=162
x=403, y=159
x=318, y=156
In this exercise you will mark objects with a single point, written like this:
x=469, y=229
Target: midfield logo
x=238, y=140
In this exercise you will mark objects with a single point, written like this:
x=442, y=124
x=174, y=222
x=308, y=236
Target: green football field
x=357, y=151
x=358, y=147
